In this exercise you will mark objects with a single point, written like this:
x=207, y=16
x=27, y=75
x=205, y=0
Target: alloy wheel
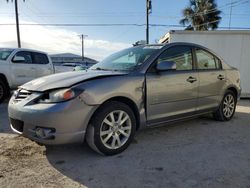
x=115, y=129
x=228, y=106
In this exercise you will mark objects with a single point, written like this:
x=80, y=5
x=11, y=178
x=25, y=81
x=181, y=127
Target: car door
x=22, y=68
x=170, y=94
x=42, y=65
x=212, y=79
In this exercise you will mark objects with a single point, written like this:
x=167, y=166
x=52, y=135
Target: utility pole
x=82, y=36
x=148, y=11
x=230, y=16
x=17, y=25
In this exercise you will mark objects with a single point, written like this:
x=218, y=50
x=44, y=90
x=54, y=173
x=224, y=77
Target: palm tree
x=201, y=15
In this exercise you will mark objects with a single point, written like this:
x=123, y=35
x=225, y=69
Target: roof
x=65, y=55
x=70, y=55
x=211, y=32
x=7, y=48
x=25, y=49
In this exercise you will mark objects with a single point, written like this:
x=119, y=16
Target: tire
x=226, y=110
x=105, y=134
x=3, y=90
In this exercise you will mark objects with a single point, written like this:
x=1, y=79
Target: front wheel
x=227, y=107
x=3, y=90
x=112, y=128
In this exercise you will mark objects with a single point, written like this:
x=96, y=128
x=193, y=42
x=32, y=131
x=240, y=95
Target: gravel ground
x=195, y=153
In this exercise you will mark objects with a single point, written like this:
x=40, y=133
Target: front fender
x=98, y=91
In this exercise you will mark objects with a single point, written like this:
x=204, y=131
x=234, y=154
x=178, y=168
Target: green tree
x=201, y=15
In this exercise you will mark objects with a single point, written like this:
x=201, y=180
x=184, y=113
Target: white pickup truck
x=18, y=66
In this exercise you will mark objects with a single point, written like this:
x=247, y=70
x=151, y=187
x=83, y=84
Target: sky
x=101, y=40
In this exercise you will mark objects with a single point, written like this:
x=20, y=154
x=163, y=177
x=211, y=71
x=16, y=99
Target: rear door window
x=218, y=63
x=39, y=58
x=206, y=60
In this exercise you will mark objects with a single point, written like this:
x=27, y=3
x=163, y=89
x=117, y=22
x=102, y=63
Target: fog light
x=44, y=133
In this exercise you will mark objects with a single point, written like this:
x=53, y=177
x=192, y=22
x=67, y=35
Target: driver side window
x=181, y=55
x=22, y=57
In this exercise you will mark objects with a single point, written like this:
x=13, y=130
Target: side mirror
x=166, y=65
x=18, y=59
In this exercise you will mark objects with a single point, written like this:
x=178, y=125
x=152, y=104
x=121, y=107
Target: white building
x=59, y=59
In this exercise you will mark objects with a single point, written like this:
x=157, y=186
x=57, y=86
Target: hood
x=66, y=79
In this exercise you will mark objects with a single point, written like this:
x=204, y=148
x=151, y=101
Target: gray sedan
x=132, y=89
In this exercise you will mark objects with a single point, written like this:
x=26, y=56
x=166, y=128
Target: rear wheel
x=3, y=91
x=112, y=128
x=227, y=107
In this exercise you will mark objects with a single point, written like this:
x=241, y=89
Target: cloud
x=56, y=40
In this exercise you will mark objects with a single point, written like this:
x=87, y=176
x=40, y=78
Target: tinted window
x=205, y=60
x=181, y=55
x=39, y=58
x=22, y=57
x=5, y=53
x=128, y=59
x=218, y=63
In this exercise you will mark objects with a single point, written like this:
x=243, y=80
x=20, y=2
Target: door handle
x=221, y=77
x=191, y=79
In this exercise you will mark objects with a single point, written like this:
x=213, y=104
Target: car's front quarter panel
x=132, y=87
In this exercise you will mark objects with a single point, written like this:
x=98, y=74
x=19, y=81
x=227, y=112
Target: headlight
x=58, y=96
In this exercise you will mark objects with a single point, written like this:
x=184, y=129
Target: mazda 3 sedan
x=132, y=89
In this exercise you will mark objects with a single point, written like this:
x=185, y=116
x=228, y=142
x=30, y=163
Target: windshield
x=5, y=53
x=126, y=60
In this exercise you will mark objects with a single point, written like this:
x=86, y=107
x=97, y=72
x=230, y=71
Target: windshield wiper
x=99, y=68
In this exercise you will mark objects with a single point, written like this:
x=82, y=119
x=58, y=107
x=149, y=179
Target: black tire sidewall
x=97, y=122
x=5, y=92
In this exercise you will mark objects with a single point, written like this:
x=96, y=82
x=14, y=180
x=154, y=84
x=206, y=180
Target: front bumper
x=67, y=120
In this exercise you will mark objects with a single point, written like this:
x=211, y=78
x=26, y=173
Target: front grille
x=17, y=124
x=21, y=94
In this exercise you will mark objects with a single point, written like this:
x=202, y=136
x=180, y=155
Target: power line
x=111, y=24
x=31, y=10
x=75, y=24
x=231, y=4
x=127, y=29
x=125, y=14
x=87, y=13
x=234, y=3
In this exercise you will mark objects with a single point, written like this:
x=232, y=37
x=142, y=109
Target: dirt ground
x=196, y=153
